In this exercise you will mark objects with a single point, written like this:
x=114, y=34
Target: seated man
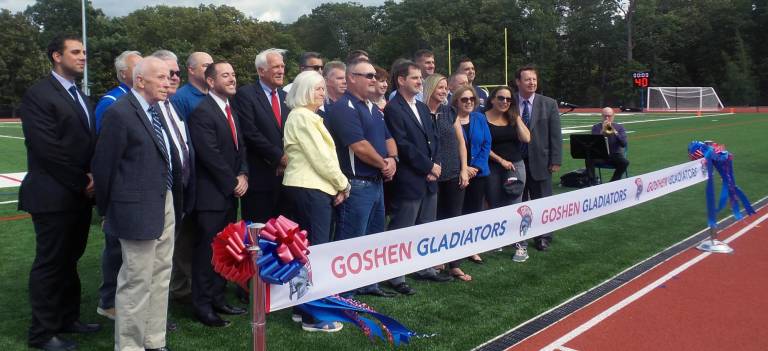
x=617, y=141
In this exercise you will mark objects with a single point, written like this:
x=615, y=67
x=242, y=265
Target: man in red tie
x=221, y=177
x=262, y=112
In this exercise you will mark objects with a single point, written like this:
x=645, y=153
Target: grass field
x=461, y=315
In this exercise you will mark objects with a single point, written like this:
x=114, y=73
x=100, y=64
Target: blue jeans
x=361, y=214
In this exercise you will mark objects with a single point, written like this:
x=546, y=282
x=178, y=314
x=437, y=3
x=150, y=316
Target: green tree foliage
x=585, y=50
x=21, y=61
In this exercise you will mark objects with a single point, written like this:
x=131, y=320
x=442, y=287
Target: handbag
x=511, y=183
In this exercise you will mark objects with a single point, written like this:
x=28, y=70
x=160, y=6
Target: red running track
x=694, y=301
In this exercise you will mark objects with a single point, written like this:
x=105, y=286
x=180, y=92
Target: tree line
x=586, y=50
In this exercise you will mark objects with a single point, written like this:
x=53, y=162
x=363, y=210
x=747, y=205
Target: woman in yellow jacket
x=313, y=177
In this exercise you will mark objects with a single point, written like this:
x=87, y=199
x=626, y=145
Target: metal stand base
x=714, y=246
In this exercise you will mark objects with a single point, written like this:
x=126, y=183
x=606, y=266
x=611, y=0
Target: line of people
x=168, y=166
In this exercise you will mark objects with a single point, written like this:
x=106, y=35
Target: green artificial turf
x=458, y=315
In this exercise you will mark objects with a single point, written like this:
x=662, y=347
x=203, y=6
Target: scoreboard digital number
x=641, y=79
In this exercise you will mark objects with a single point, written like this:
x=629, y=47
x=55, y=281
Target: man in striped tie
x=137, y=175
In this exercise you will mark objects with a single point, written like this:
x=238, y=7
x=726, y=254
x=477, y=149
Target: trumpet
x=608, y=129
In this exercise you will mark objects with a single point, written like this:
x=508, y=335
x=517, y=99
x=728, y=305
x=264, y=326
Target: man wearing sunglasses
x=309, y=61
x=181, y=275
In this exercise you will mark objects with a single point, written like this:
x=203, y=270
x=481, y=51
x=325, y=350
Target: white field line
x=8, y=202
x=657, y=120
x=11, y=137
x=557, y=344
x=607, y=280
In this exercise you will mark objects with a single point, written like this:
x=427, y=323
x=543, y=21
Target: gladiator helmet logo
x=300, y=284
x=639, y=185
x=527, y=219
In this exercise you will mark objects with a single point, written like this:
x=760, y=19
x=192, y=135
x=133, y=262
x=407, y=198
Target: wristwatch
x=397, y=159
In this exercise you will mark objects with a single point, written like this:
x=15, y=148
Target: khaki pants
x=141, y=300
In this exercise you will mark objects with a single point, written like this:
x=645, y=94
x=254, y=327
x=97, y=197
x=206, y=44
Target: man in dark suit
x=57, y=120
x=183, y=248
x=415, y=183
x=262, y=111
x=221, y=178
x=543, y=155
x=137, y=173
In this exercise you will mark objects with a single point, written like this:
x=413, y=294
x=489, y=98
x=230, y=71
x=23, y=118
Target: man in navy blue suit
x=137, y=176
x=57, y=120
x=409, y=121
x=262, y=112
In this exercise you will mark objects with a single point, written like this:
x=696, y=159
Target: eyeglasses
x=365, y=75
x=465, y=100
x=314, y=68
x=175, y=73
x=504, y=98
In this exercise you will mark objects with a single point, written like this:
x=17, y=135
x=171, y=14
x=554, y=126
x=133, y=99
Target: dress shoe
x=542, y=245
x=55, y=344
x=404, y=289
x=78, y=327
x=229, y=309
x=164, y=348
x=213, y=320
x=171, y=326
x=376, y=292
x=440, y=278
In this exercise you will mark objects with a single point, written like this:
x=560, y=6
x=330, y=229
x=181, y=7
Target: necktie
x=158, y=128
x=527, y=120
x=231, y=125
x=182, y=143
x=83, y=115
x=276, y=108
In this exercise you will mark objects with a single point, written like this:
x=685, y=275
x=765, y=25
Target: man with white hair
x=111, y=258
x=262, y=110
x=181, y=278
x=137, y=177
x=124, y=64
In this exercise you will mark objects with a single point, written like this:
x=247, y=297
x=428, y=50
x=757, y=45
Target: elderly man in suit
x=221, y=178
x=137, y=174
x=262, y=110
x=543, y=155
x=57, y=120
x=415, y=183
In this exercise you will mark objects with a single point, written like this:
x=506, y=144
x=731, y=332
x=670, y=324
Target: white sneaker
x=106, y=312
x=296, y=318
x=521, y=254
x=325, y=327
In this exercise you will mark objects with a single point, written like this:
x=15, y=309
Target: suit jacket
x=59, y=149
x=189, y=188
x=218, y=161
x=416, y=147
x=261, y=133
x=546, y=144
x=130, y=173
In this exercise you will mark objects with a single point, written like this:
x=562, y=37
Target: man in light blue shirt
x=189, y=95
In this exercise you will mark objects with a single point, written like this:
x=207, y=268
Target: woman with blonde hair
x=313, y=177
x=451, y=156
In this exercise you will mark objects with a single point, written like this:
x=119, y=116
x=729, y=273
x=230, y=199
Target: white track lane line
x=558, y=344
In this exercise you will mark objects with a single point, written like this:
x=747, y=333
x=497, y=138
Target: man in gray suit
x=137, y=176
x=543, y=155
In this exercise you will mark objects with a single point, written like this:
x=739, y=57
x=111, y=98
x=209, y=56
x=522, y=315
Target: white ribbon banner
x=349, y=264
